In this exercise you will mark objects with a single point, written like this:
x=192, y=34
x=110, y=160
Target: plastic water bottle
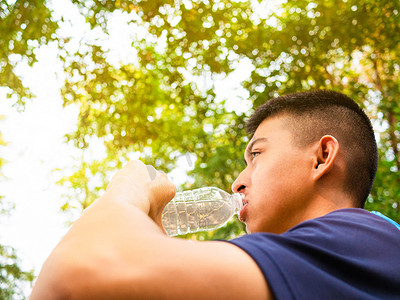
x=202, y=209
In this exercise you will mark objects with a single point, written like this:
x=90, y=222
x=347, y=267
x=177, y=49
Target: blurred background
x=86, y=85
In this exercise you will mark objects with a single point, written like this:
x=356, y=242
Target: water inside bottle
x=201, y=209
x=214, y=213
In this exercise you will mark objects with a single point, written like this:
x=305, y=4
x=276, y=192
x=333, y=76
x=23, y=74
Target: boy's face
x=277, y=181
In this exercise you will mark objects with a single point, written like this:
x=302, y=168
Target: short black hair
x=317, y=113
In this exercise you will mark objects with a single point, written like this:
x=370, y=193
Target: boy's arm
x=117, y=251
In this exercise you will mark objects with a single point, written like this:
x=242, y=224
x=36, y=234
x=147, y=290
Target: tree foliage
x=158, y=105
x=162, y=103
x=12, y=278
x=24, y=26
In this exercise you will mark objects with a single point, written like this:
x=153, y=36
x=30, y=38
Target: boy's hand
x=142, y=186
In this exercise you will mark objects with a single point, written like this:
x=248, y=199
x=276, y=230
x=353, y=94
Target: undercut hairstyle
x=311, y=115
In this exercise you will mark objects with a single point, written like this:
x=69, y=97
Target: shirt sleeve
x=333, y=257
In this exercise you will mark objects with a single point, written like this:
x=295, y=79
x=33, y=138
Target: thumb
x=152, y=172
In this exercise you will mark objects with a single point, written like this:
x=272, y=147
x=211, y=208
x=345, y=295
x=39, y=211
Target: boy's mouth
x=242, y=214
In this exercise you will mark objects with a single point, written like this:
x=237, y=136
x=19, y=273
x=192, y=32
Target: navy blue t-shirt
x=346, y=254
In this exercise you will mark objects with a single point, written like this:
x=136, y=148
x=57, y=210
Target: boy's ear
x=325, y=156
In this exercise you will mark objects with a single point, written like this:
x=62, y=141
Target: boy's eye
x=254, y=154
